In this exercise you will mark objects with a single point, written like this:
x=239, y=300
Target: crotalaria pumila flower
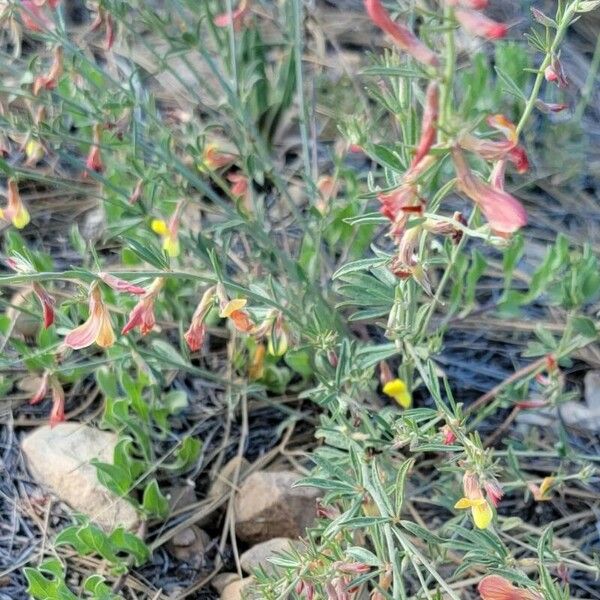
x=235, y=17
x=493, y=150
x=47, y=302
x=169, y=232
x=473, y=499
x=478, y=24
x=234, y=310
x=97, y=328
x=554, y=73
x=196, y=332
x=142, y=315
x=448, y=435
x=398, y=390
x=15, y=210
x=103, y=17
x=120, y=285
x=35, y=16
x=50, y=80
x=428, y=129
x=504, y=213
x=94, y=158
x=550, y=107
x=57, y=414
x=42, y=389
x=405, y=39
x=493, y=491
x=494, y=587
x=213, y=158
x=474, y=4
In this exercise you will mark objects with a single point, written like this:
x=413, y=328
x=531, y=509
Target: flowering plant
x=232, y=261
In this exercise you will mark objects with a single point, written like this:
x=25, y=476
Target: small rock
x=258, y=555
x=190, y=545
x=224, y=481
x=591, y=383
x=266, y=506
x=222, y=580
x=180, y=497
x=59, y=458
x=235, y=589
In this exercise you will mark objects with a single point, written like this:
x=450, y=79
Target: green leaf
x=125, y=541
x=585, y=327
x=154, y=503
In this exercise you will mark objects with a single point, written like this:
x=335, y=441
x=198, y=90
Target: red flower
x=474, y=4
x=50, y=80
x=120, y=285
x=401, y=34
x=34, y=17
x=47, y=302
x=236, y=17
x=554, y=73
x=550, y=107
x=42, y=390
x=494, y=491
x=94, y=159
x=428, y=129
x=494, y=587
x=504, y=213
x=448, y=436
x=196, y=332
x=478, y=24
x=142, y=315
x=57, y=414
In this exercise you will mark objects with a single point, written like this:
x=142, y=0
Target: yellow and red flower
x=97, y=328
x=94, y=158
x=481, y=511
x=169, y=232
x=234, y=310
x=15, y=210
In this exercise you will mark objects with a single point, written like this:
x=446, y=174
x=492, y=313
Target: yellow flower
x=481, y=511
x=169, y=235
x=232, y=306
x=396, y=389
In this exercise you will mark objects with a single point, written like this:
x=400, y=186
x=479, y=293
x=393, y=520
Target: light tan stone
x=267, y=506
x=259, y=554
x=59, y=459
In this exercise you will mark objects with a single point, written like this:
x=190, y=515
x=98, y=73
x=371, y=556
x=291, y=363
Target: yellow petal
x=106, y=335
x=171, y=246
x=396, y=389
x=464, y=503
x=232, y=306
x=21, y=218
x=159, y=226
x=545, y=486
x=482, y=513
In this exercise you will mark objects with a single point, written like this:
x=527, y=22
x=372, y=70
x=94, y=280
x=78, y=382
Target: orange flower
x=328, y=187
x=235, y=18
x=234, y=310
x=478, y=24
x=494, y=587
x=213, y=158
x=97, y=328
x=405, y=39
x=504, y=213
x=50, y=80
x=142, y=315
x=196, y=332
